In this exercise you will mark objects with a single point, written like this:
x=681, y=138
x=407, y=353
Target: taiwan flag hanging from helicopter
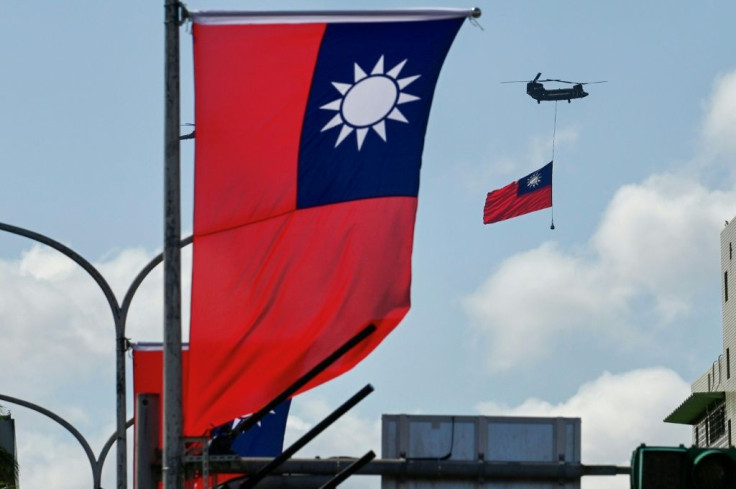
x=309, y=140
x=528, y=194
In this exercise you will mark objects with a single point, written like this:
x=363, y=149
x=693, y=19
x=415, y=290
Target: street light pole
x=120, y=315
x=172, y=382
x=95, y=463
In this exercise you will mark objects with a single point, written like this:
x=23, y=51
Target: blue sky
x=609, y=317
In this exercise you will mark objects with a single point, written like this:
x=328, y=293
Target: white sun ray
x=334, y=105
x=359, y=73
x=380, y=129
x=342, y=87
x=344, y=132
x=369, y=101
x=396, y=115
x=405, y=97
x=396, y=69
x=360, y=133
x=406, y=81
x=378, y=69
x=335, y=121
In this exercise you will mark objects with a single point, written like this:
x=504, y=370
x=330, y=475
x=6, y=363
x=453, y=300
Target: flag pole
x=172, y=384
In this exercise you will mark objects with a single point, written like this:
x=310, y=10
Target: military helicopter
x=536, y=90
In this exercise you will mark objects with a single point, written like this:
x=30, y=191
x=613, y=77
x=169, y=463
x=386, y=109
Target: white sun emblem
x=369, y=101
x=534, y=180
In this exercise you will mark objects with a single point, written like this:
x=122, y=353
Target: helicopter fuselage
x=537, y=91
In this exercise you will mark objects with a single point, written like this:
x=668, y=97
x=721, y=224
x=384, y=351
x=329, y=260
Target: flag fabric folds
x=528, y=194
x=309, y=140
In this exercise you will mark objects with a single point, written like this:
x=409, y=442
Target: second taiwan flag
x=308, y=149
x=528, y=194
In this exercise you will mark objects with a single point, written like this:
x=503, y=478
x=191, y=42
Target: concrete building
x=7, y=436
x=711, y=408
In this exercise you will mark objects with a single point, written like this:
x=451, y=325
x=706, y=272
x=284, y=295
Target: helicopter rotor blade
x=537, y=80
x=574, y=82
x=559, y=81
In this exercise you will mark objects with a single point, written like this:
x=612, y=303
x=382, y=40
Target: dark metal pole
x=349, y=470
x=172, y=388
x=121, y=446
x=147, y=435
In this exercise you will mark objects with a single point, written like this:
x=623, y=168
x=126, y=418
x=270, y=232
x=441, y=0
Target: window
x=728, y=363
x=725, y=286
x=711, y=430
x=716, y=424
x=730, y=251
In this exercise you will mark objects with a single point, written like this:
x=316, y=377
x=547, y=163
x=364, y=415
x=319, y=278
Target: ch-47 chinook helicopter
x=536, y=90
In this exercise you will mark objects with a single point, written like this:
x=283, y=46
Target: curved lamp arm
x=143, y=274
x=71, y=429
x=76, y=257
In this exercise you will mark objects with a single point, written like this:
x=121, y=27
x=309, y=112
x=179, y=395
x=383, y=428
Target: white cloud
x=51, y=461
x=617, y=413
x=51, y=315
x=535, y=296
x=655, y=248
x=364, y=434
x=656, y=234
x=43, y=264
x=719, y=126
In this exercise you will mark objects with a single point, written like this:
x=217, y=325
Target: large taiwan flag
x=309, y=136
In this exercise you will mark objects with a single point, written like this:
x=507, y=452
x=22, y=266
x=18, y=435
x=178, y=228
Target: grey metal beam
x=420, y=468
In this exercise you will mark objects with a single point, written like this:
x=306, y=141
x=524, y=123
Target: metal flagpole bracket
x=473, y=18
x=184, y=15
